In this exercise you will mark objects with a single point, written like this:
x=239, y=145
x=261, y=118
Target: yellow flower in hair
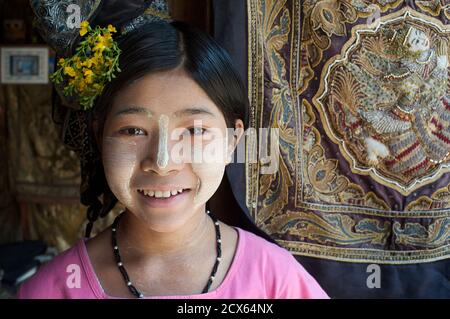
x=89, y=79
x=78, y=63
x=107, y=36
x=84, y=28
x=97, y=59
x=70, y=71
x=81, y=86
x=112, y=29
x=101, y=44
x=88, y=76
x=88, y=63
x=95, y=62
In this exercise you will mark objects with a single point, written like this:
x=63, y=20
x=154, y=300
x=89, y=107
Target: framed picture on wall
x=24, y=65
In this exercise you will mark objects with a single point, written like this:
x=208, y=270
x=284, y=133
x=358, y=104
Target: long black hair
x=164, y=46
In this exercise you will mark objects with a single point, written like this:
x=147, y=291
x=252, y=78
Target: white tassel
x=375, y=149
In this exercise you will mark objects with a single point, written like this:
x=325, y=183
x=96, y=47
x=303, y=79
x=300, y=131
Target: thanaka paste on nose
x=163, y=153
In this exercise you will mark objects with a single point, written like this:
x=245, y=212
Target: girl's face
x=165, y=148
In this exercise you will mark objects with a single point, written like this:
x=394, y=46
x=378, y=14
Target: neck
x=135, y=237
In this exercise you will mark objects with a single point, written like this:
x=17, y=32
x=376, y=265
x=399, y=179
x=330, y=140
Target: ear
x=234, y=139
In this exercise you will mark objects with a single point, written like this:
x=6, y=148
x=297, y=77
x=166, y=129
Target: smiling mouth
x=163, y=194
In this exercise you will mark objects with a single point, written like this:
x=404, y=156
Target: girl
x=176, y=87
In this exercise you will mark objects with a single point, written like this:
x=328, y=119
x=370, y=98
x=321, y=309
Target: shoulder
x=55, y=279
x=284, y=276
x=258, y=248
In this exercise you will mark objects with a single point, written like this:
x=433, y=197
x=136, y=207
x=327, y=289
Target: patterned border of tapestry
x=363, y=111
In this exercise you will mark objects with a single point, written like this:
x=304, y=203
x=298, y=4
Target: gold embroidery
x=309, y=206
x=274, y=199
x=366, y=255
x=275, y=20
x=324, y=18
x=438, y=200
x=322, y=173
x=434, y=7
x=415, y=234
x=327, y=186
x=331, y=228
x=386, y=109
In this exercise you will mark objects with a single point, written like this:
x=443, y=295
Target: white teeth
x=161, y=194
x=166, y=194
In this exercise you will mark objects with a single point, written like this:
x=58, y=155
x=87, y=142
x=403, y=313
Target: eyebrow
x=134, y=110
x=193, y=111
x=185, y=112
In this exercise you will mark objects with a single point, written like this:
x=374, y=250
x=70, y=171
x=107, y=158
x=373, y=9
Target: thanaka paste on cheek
x=210, y=170
x=119, y=162
x=210, y=177
x=163, y=153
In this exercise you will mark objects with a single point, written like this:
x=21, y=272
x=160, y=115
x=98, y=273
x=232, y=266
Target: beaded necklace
x=125, y=275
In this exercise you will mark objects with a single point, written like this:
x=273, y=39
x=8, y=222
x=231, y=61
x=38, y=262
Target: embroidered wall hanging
x=363, y=111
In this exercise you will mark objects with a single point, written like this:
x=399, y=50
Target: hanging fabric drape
x=358, y=91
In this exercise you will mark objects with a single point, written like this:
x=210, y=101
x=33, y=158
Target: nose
x=153, y=163
x=157, y=157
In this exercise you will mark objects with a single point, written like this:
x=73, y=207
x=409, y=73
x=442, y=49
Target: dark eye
x=132, y=131
x=197, y=130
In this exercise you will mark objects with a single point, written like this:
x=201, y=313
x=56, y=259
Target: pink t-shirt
x=259, y=270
